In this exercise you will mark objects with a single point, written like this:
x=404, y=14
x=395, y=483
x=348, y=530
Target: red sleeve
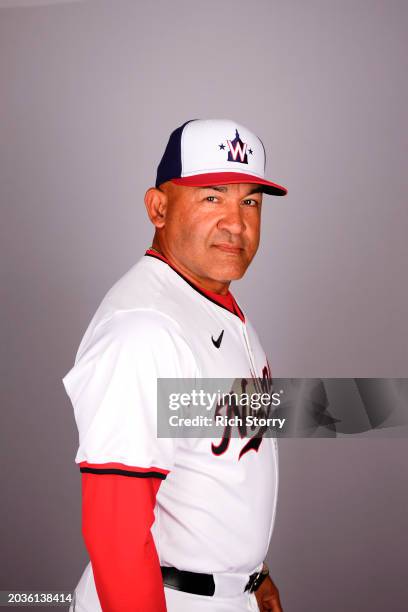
x=117, y=514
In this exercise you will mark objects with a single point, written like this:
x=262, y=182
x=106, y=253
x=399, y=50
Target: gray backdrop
x=89, y=93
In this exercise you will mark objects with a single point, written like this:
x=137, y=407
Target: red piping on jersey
x=122, y=469
x=225, y=301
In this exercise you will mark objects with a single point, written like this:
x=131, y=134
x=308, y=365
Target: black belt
x=202, y=584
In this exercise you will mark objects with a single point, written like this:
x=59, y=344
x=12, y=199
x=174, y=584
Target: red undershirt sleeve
x=117, y=515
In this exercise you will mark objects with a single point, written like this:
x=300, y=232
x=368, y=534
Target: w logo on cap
x=237, y=149
x=198, y=154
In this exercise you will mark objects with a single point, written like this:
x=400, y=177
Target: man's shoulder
x=145, y=285
x=138, y=307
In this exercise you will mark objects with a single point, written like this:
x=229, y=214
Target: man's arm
x=117, y=515
x=267, y=595
x=113, y=388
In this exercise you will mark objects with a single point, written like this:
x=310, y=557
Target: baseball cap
x=205, y=152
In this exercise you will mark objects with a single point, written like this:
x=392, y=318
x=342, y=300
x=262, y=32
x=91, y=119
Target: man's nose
x=232, y=219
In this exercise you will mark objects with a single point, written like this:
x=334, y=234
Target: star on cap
x=222, y=146
x=250, y=151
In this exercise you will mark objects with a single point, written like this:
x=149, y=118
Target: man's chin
x=225, y=274
x=223, y=268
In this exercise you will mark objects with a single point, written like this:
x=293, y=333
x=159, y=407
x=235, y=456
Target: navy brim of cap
x=226, y=178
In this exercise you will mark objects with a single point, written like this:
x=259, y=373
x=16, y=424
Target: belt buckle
x=254, y=582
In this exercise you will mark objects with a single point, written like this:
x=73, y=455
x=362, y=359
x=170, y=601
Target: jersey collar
x=225, y=301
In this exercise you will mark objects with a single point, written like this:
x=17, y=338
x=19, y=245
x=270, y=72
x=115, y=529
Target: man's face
x=212, y=232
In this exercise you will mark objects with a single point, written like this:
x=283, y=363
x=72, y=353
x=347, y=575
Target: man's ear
x=156, y=205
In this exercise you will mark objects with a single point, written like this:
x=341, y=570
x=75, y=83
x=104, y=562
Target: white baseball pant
x=86, y=599
x=177, y=601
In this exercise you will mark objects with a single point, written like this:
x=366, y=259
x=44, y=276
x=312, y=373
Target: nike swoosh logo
x=217, y=342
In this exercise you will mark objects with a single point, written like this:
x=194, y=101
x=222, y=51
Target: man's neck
x=218, y=287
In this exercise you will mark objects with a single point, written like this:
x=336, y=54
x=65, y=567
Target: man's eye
x=211, y=198
x=251, y=202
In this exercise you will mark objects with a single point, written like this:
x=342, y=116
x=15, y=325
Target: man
x=194, y=514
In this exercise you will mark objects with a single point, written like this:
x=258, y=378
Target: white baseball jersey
x=215, y=509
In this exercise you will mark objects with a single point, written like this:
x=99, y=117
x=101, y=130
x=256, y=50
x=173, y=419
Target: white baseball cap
x=205, y=152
